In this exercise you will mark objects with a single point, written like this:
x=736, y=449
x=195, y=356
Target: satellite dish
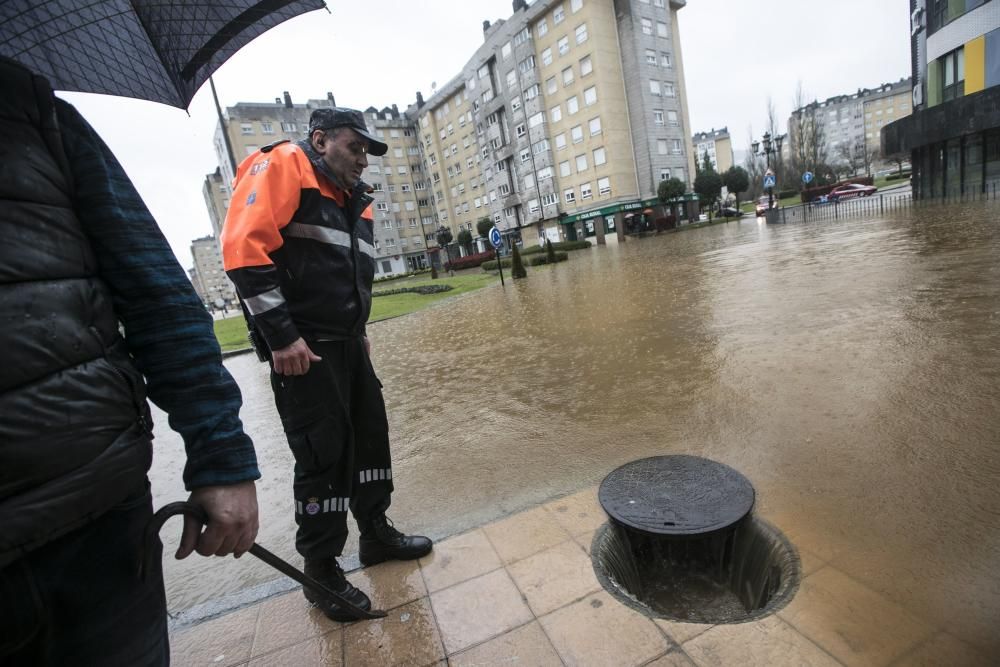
x=434, y=85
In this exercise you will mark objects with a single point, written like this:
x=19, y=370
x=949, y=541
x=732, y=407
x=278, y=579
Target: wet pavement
x=849, y=369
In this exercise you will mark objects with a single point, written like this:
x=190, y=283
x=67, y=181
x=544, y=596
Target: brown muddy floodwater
x=850, y=369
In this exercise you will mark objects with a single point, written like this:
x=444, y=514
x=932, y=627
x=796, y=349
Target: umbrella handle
x=148, y=560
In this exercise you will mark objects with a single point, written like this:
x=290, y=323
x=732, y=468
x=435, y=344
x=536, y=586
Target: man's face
x=345, y=152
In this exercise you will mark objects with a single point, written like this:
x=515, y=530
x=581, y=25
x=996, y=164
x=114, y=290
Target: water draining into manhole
x=682, y=543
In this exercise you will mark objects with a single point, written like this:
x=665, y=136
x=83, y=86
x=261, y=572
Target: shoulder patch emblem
x=252, y=198
x=259, y=167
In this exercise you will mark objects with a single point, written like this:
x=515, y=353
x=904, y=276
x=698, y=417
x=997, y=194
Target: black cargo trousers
x=335, y=421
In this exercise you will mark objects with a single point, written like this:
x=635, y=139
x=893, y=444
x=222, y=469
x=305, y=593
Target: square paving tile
x=458, y=559
x=288, y=619
x=219, y=642
x=407, y=636
x=675, y=658
x=770, y=641
x=579, y=513
x=681, y=632
x=390, y=584
x=944, y=649
x=853, y=623
x=585, y=540
x=599, y=630
x=323, y=651
x=810, y=562
x=526, y=645
x=555, y=577
x=524, y=534
x=478, y=609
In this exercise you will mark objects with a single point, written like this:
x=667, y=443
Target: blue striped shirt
x=167, y=329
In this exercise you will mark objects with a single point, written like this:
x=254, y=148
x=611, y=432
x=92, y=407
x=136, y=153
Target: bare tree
x=754, y=166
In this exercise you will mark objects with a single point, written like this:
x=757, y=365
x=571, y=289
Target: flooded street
x=850, y=369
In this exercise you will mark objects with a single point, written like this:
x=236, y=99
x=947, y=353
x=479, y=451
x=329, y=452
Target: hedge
x=409, y=274
x=469, y=261
x=897, y=177
x=420, y=289
x=531, y=261
x=561, y=245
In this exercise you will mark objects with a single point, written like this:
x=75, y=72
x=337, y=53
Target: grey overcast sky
x=737, y=53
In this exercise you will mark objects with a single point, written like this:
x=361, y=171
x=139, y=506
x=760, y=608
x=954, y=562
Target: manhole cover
x=676, y=495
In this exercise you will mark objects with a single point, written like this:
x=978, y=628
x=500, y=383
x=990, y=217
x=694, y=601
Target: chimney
x=486, y=26
x=420, y=99
x=395, y=111
x=329, y=98
x=520, y=4
x=288, y=100
x=277, y=100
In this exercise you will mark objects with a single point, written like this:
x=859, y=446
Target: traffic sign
x=807, y=177
x=769, y=181
x=495, y=237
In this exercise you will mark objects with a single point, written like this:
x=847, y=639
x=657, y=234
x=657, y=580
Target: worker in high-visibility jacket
x=298, y=243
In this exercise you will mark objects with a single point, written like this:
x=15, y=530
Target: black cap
x=328, y=118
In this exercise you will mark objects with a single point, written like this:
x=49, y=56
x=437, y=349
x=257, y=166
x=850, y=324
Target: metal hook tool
x=172, y=509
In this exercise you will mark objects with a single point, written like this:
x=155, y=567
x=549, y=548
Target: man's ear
x=318, y=139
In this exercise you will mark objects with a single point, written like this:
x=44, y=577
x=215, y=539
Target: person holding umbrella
x=298, y=244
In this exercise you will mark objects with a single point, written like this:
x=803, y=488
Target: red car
x=852, y=190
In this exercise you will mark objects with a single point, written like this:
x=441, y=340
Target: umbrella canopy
x=158, y=50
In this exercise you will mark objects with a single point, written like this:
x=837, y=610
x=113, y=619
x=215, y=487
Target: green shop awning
x=625, y=207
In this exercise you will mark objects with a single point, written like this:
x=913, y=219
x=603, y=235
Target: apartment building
x=563, y=122
x=953, y=134
x=885, y=105
x=207, y=276
x=719, y=147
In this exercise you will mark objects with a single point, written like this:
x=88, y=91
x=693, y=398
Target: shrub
x=517, y=266
x=419, y=289
x=469, y=261
x=561, y=245
x=785, y=194
x=897, y=177
x=545, y=259
x=550, y=252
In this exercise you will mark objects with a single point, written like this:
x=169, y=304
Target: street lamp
x=770, y=146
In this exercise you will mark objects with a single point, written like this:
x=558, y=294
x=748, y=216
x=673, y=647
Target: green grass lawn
x=232, y=332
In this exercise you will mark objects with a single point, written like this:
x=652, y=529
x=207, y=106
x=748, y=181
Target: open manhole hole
x=682, y=543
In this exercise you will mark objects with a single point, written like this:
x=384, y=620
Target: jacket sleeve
x=266, y=196
x=167, y=330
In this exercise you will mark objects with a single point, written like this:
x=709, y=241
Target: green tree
x=483, y=226
x=465, y=240
x=443, y=236
x=672, y=188
x=708, y=184
x=737, y=180
x=550, y=252
x=516, y=265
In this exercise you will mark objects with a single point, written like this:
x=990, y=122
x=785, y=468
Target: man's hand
x=232, y=521
x=294, y=359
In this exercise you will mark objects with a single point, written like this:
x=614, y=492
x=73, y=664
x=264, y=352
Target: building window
x=542, y=28
x=590, y=96
x=654, y=88
x=544, y=173
x=575, y=5
x=533, y=206
x=551, y=85
x=525, y=155
x=675, y=146
x=521, y=37
x=511, y=79
x=532, y=92
x=668, y=89
x=581, y=33
x=665, y=59
x=555, y=113
x=953, y=74
x=558, y=15
x=540, y=146
x=650, y=57
x=661, y=146
x=504, y=189
x=672, y=118
x=658, y=116
x=520, y=130
x=647, y=27
x=547, y=57
x=560, y=141
x=661, y=29
x=595, y=126
x=599, y=157
x=585, y=192
x=664, y=174
x=564, y=169
x=604, y=186
x=529, y=181
x=567, y=76
x=536, y=120
x=526, y=65
x=246, y=128
x=288, y=127
x=572, y=105
x=581, y=163
x=515, y=104
x=569, y=195
x=576, y=134
x=563, y=45
x=586, y=67
x=267, y=128
x=549, y=199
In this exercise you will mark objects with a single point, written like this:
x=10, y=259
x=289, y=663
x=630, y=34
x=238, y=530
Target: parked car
x=762, y=205
x=729, y=212
x=852, y=190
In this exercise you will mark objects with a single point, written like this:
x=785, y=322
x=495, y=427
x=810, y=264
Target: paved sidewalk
x=522, y=591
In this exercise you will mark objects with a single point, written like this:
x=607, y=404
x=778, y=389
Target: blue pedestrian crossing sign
x=807, y=177
x=769, y=181
x=495, y=237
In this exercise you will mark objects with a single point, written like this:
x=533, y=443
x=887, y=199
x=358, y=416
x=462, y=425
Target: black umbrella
x=158, y=50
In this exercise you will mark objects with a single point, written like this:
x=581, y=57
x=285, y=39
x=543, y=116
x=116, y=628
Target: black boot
x=381, y=542
x=328, y=572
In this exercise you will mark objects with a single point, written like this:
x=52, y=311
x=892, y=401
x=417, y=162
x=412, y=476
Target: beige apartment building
x=208, y=277
x=717, y=145
x=561, y=125
x=884, y=105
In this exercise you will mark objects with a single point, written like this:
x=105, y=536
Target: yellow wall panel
x=975, y=65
